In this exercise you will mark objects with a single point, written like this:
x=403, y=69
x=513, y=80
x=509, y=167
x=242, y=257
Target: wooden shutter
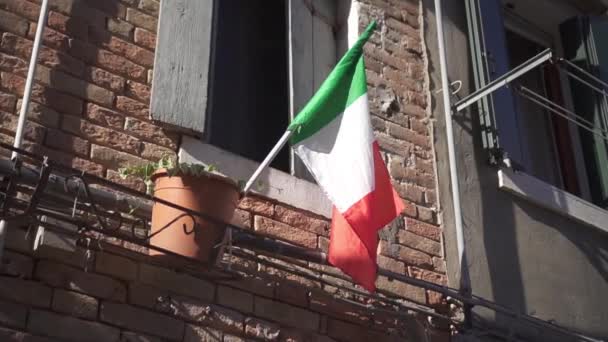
x=181, y=68
x=583, y=39
x=312, y=55
x=490, y=60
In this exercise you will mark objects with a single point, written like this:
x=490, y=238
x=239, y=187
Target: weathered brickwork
x=91, y=112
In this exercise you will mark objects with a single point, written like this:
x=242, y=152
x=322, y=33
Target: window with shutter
x=238, y=71
x=504, y=34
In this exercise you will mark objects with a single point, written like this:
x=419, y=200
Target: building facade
x=123, y=82
x=245, y=68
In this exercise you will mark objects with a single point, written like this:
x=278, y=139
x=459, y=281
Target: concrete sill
x=276, y=184
x=549, y=197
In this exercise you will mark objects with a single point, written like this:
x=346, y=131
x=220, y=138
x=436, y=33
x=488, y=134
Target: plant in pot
x=197, y=187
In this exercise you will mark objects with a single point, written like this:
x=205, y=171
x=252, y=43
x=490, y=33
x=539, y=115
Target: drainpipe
x=465, y=285
x=25, y=103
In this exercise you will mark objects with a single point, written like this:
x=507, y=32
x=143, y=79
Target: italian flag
x=334, y=138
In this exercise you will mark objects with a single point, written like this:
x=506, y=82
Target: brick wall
x=90, y=111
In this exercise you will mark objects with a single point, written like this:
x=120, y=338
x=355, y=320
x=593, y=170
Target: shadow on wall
x=491, y=260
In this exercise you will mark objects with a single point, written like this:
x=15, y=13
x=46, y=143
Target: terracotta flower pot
x=191, y=236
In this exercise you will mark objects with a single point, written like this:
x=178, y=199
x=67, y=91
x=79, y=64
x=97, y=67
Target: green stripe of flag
x=343, y=86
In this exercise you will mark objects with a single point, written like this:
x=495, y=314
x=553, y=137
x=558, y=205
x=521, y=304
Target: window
x=504, y=34
x=236, y=72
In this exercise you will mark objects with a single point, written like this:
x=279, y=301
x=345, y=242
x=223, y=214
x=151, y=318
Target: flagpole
x=269, y=158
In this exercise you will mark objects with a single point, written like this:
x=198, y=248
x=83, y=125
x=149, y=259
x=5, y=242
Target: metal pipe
x=504, y=79
x=539, y=100
x=25, y=103
x=269, y=158
x=445, y=85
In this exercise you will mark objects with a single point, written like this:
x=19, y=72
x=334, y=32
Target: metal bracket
x=503, y=80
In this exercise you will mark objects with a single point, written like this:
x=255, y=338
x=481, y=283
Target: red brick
x=179, y=283
x=401, y=27
x=427, y=215
x=140, y=19
x=27, y=292
x=120, y=27
x=253, y=284
x=59, y=275
x=150, y=6
x=405, y=134
x=410, y=192
x=129, y=336
x=145, y=38
x=74, y=86
x=292, y=293
x=414, y=257
x=109, y=8
x=133, y=318
x=154, y=152
x=236, y=299
x=391, y=264
x=49, y=97
x=427, y=275
x=67, y=142
x=104, y=117
x=280, y=230
x=16, y=265
x=151, y=132
x=439, y=265
x=257, y=206
x=261, y=329
x=323, y=244
x=113, y=159
x=13, y=315
x=12, y=23
x=70, y=329
x=392, y=145
x=301, y=220
x=75, y=162
x=75, y=27
x=75, y=304
x=289, y=315
x=22, y=47
x=105, y=79
x=33, y=131
x=413, y=110
x=120, y=65
x=138, y=91
x=132, y=107
x=421, y=243
x=400, y=82
x=13, y=64
x=195, y=333
x=323, y=302
x=417, y=99
x=51, y=38
x=8, y=102
x=130, y=182
x=101, y=135
x=21, y=8
x=121, y=47
x=423, y=229
x=401, y=289
x=115, y=266
x=212, y=315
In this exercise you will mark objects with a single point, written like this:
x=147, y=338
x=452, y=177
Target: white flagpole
x=269, y=158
